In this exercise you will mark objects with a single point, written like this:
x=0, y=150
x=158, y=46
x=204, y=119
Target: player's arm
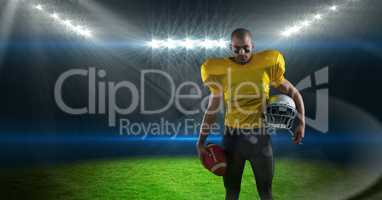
x=208, y=121
x=287, y=88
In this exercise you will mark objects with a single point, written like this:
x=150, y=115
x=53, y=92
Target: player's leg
x=235, y=165
x=263, y=168
x=234, y=172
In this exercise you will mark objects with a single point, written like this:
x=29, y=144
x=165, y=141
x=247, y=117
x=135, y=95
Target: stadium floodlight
x=317, y=17
x=306, y=23
x=296, y=29
x=291, y=31
x=38, y=7
x=222, y=43
x=208, y=43
x=170, y=43
x=80, y=30
x=67, y=22
x=55, y=16
x=154, y=44
x=87, y=33
x=286, y=33
x=333, y=8
x=187, y=43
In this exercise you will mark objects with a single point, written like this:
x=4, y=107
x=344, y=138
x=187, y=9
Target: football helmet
x=280, y=112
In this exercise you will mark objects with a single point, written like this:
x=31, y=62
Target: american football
x=215, y=161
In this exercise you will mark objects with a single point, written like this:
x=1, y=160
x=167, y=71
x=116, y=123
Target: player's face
x=242, y=49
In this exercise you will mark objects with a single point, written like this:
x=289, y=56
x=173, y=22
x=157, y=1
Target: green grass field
x=166, y=178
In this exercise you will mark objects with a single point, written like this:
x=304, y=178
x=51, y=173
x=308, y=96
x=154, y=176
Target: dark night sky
x=36, y=51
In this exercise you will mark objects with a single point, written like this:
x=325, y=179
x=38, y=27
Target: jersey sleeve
x=278, y=70
x=209, y=79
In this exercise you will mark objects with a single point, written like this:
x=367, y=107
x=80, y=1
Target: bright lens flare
x=38, y=7
x=154, y=44
x=80, y=30
x=314, y=19
x=333, y=8
x=187, y=44
x=306, y=23
x=222, y=43
x=291, y=31
x=208, y=43
x=171, y=44
x=55, y=16
x=67, y=22
x=317, y=16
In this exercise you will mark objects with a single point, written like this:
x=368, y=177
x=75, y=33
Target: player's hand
x=202, y=150
x=299, y=133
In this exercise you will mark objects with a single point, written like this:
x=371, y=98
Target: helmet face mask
x=280, y=112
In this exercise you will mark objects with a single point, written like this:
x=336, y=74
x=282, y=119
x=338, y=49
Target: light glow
x=314, y=19
x=170, y=43
x=333, y=8
x=317, y=16
x=306, y=23
x=78, y=29
x=55, y=16
x=39, y=7
x=187, y=43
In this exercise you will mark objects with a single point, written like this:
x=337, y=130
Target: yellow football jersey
x=245, y=87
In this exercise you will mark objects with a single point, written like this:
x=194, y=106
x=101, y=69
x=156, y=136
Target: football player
x=243, y=82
